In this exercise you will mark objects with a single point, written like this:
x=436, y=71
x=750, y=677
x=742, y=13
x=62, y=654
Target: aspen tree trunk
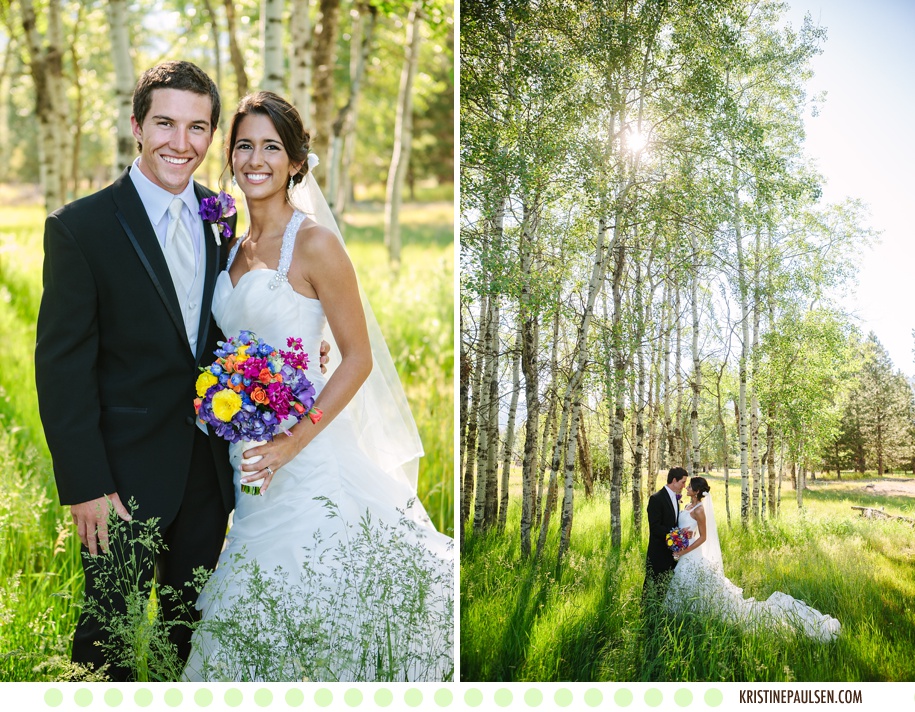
x=42, y=66
x=549, y=425
x=124, y=81
x=609, y=390
x=584, y=458
x=403, y=137
x=677, y=454
x=654, y=390
x=272, y=39
x=300, y=60
x=568, y=504
x=325, y=43
x=345, y=123
x=754, y=401
x=697, y=365
x=491, y=511
x=6, y=72
x=667, y=442
x=485, y=445
x=619, y=387
x=725, y=455
x=235, y=53
x=77, y=120
x=529, y=342
x=485, y=503
x=770, y=463
x=473, y=419
x=510, y=429
x=744, y=347
x=564, y=447
x=638, y=403
x=464, y=376
x=63, y=139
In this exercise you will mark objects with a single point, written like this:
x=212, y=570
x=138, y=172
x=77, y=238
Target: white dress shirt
x=156, y=201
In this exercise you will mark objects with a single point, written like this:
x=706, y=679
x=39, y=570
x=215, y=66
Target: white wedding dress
x=699, y=584
x=336, y=572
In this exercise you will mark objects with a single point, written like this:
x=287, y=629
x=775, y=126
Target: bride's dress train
x=336, y=572
x=699, y=584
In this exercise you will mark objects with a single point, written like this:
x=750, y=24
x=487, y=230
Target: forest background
x=651, y=276
x=374, y=81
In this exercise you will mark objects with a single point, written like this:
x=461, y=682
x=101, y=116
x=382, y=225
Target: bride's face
x=691, y=492
x=259, y=159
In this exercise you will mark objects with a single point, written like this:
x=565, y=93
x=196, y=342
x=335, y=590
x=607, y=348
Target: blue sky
x=863, y=143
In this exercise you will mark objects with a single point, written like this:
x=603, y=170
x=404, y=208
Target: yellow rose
x=226, y=404
x=204, y=381
x=241, y=354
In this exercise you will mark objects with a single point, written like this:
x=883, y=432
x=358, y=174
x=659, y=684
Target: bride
x=335, y=572
x=699, y=583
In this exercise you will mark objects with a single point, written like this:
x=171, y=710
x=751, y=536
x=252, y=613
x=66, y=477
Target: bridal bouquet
x=677, y=539
x=251, y=388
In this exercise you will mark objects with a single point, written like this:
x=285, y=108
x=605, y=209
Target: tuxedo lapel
x=133, y=218
x=211, y=253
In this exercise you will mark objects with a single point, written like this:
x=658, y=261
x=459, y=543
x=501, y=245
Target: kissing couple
x=139, y=292
x=692, y=577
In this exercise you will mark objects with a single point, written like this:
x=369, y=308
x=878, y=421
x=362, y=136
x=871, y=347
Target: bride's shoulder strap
x=234, y=251
x=292, y=228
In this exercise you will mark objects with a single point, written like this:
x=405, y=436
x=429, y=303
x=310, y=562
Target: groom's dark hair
x=676, y=473
x=181, y=75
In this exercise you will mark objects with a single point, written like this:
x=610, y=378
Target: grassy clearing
x=584, y=620
x=40, y=574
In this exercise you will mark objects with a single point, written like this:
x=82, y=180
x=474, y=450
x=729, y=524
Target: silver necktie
x=180, y=256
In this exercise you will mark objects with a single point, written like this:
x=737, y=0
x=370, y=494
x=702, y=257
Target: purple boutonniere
x=214, y=209
x=679, y=497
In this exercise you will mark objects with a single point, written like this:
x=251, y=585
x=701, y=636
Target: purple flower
x=210, y=209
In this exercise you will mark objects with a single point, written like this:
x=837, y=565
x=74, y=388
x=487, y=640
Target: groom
x=123, y=327
x=663, y=510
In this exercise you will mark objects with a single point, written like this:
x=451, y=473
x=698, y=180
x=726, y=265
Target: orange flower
x=265, y=376
x=197, y=402
x=299, y=408
x=229, y=365
x=259, y=395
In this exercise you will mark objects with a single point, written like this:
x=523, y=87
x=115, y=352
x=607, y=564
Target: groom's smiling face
x=175, y=135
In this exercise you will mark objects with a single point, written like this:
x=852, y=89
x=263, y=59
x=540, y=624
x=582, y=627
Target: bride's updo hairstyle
x=285, y=119
x=700, y=486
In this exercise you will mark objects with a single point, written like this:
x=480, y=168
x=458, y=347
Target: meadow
x=40, y=573
x=584, y=620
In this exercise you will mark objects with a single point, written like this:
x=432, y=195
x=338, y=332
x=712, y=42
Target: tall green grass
x=585, y=619
x=40, y=572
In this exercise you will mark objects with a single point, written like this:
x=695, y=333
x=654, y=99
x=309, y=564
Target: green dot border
x=381, y=696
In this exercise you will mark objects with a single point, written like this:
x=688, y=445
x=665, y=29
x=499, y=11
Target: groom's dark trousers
x=659, y=561
x=115, y=377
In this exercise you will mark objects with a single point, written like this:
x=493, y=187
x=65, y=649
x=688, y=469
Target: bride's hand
x=275, y=454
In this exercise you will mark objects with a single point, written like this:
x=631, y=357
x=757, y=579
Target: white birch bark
x=744, y=350
x=300, y=60
x=403, y=136
x=529, y=342
x=272, y=41
x=124, y=81
x=42, y=65
x=565, y=441
x=697, y=365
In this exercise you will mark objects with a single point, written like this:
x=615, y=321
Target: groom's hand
x=325, y=349
x=91, y=519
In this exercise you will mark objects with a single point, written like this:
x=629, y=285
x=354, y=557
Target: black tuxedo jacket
x=662, y=517
x=113, y=366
